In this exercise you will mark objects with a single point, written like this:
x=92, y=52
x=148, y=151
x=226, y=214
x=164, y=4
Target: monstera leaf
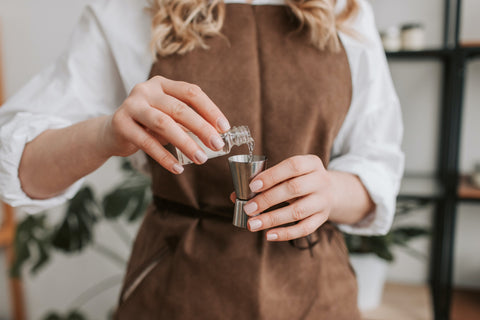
x=32, y=244
x=129, y=199
x=76, y=230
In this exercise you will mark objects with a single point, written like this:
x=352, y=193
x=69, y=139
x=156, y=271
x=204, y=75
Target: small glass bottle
x=236, y=136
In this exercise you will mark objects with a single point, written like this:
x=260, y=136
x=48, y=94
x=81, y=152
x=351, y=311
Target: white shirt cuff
x=382, y=188
x=23, y=128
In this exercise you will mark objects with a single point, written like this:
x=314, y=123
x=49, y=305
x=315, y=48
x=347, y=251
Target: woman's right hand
x=156, y=113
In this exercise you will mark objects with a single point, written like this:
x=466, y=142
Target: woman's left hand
x=305, y=184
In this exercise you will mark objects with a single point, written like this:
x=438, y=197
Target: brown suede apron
x=189, y=261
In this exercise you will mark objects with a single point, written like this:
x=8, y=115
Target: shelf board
x=421, y=188
x=420, y=54
x=472, y=52
x=466, y=191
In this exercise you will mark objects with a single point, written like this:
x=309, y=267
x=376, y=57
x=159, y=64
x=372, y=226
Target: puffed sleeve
x=369, y=142
x=83, y=83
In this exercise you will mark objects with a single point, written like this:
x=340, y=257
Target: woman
x=310, y=80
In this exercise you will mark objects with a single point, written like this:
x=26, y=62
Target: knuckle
x=267, y=199
x=140, y=89
x=164, y=159
x=193, y=90
x=289, y=234
x=157, y=78
x=178, y=110
x=159, y=122
x=316, y=160
x=267, y=178
x=298, y=212
x=293, y=187
x=118, y=120
x=272, y=220
x=133, y=101
x=147, y=143
x=295, y=165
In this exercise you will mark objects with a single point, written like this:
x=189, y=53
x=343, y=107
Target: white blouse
x=109, y=53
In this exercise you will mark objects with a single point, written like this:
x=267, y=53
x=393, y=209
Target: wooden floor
x=402, y=302
x=413, y=302
x=466, y=305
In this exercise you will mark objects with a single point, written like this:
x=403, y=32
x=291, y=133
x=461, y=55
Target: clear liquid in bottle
x=236, y=136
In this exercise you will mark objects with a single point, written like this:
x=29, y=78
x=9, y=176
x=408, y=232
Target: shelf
x=420, y=54
x=472, y=52
x=420, y=188
x=466, y=191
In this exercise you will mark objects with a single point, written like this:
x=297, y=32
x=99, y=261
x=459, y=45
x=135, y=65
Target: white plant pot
x=371, y=274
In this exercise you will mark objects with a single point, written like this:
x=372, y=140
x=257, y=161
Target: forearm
x=57, y=158
x=351, y=201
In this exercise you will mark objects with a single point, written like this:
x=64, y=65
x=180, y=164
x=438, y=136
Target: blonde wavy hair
x=179, y=26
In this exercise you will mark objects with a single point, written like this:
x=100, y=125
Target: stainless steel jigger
x=243, y=171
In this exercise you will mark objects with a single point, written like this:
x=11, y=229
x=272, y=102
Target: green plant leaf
x=72, y=315
x=75, y=315
x=32, y=244
x=76, y=230
x=402, y=235
x=382, y=245
x=52, y=316
x=128, y=199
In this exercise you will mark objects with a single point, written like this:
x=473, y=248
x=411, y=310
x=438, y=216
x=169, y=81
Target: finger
x=160, y=139
x=287, y=169
x=195, y=97
x=285, y=191
x=297, y=211
x=168, y=129
x=233, y=197
x=152, y=147
x=299, y=230
x=188, y=118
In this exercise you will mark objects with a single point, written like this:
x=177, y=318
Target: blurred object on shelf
x=391, y=39
x=470, y=44
x=475, y=178
x=466, y=189
x=413, y=36
x=408, y=37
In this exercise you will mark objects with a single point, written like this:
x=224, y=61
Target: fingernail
x=250, y=208
x=223, y=124
x=255, y=224
x=272, y=236
x=217, y=142
x=177, y=168
x=256, y=185
x=200, y=156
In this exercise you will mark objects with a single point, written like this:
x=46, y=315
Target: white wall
x=35, y=33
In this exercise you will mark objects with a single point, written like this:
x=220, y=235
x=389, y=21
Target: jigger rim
x=245, y=158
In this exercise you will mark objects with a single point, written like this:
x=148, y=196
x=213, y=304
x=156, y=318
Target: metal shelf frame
x=454, y=60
